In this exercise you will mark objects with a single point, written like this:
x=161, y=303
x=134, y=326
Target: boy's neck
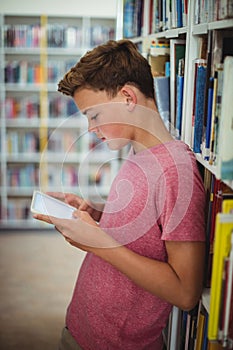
x=150, y=131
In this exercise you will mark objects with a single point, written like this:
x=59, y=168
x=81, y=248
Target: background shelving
x=40, y=146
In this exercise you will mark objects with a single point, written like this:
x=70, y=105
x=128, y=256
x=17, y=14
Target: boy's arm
x=179, y=281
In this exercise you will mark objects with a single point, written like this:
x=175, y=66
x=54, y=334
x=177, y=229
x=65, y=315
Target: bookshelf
x=206, y=28
x=43, y=137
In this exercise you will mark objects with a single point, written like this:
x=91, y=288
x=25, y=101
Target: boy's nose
x=93, y=128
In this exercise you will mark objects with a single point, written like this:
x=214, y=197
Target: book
x=177, y=52
x=133, y=17
x=222, y=248
x=216, y=113
x=200, y=82
x=224, y=160
x=225, y=328
x=179, y=97
x=162, y=97
x=200, y=328
x=179, y=10
x=206, y=148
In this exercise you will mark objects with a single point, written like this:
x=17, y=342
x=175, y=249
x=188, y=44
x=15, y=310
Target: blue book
x=199, y=107
x=179, y=104
x=209, y=117
x=179, y=13
x=128, y=25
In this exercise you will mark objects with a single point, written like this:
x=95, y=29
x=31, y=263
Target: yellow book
x=200, y=331
x=214, y=346
x=227, y=206
x=222, y=247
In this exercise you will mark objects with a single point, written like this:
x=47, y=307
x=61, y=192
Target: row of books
x=22, y=142
x=216, y=193
x=221, y=294
x=62, y=141
x=26, y=72
x=19, y=209
x=169, y=88
x=59, y=141
x=58, y=35
x=202, y=327
x=29, y=107
x=212, y=10
x=163, y=15
x=212, y=135
x=166, y=15
x=194, y=330
x=23, y=175
x=59, y=176
x=219, y=251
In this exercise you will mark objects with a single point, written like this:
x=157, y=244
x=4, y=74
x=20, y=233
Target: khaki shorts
x=67, y=342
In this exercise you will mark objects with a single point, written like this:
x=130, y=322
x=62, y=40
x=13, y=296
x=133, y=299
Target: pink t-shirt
x=158, y=195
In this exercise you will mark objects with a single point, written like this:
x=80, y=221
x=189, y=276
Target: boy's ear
x=130, y=97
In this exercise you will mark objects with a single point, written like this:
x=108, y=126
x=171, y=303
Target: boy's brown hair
x=109, y=67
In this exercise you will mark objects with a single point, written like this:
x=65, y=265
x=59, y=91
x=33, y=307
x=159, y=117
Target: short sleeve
x=181, y=202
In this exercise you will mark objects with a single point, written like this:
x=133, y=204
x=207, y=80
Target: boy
x=146, y=253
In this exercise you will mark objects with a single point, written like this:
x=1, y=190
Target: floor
x=37, y=275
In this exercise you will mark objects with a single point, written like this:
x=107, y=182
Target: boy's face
x=107, y=117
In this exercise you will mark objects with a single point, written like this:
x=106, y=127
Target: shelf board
x=26, y=87
x=63, y=157
x=63, y=123
x=225, y=23
x=211, y=168
x=20, y=191
x=24, y=123
x=205, y=163
x=22, y=50
x=171, y=33
x=24, y=224
x=203, y=28
x=23, y=158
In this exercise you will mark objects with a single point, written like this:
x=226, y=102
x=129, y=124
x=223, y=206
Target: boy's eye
x=94, y=117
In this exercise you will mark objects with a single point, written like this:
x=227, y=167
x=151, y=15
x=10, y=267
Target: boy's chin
x=115, y=145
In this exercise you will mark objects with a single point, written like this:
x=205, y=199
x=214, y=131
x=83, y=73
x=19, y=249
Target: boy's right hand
x=95, y=210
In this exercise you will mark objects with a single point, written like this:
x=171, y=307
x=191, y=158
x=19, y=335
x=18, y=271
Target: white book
x=224, y=161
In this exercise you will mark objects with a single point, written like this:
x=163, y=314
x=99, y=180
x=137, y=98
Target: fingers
x=73, y=200
x=58, y=195
x=44, y=218
x=84, y=206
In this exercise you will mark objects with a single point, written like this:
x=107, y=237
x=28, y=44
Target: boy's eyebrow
x=85, y=111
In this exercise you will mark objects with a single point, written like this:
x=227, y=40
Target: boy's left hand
x=82, y=231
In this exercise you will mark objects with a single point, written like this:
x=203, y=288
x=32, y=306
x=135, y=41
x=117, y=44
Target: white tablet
x=47, y=205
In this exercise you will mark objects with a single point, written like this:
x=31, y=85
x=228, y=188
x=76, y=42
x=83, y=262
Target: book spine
x=225, y=136
x=209, y=119
x=179, y=97
x=199, y=108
